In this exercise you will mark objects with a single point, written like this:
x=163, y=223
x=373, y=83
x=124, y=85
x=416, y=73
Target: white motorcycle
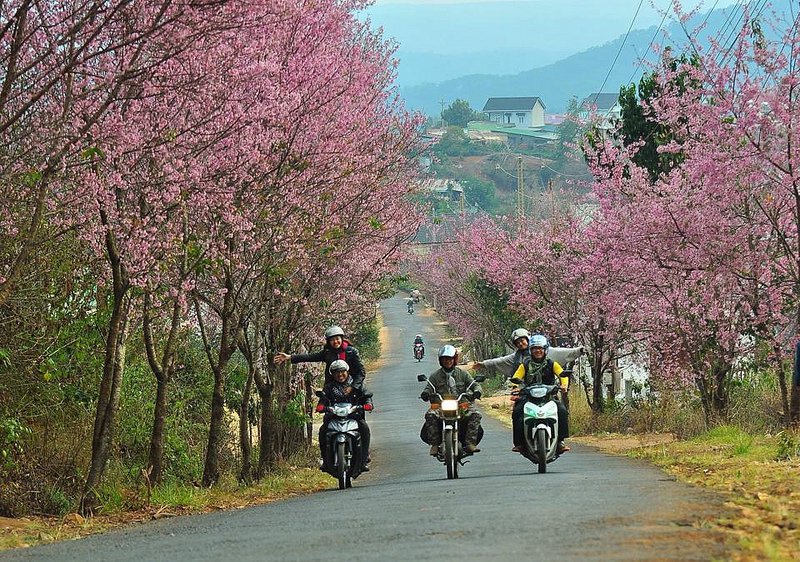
x=540, y=420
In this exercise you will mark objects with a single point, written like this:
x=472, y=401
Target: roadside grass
x=124, y=506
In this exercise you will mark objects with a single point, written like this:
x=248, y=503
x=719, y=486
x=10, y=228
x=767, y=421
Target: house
x=515, y=112
x=605, y=106
x=448, y=189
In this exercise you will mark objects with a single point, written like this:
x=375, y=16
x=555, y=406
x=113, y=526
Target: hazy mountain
x=576, y=75
x=438, y=41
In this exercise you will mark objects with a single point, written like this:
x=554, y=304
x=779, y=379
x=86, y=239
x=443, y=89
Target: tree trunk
x=108, y=400
x=244, y=430
x=265, y=454
x=113, y=367
x=309, y=404
x=215, y=430
x=155, y=459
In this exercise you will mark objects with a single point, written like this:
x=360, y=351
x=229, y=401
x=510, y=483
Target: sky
x=649, y=13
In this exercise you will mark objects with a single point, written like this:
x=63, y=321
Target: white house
x=603, y=105
x=518, y=112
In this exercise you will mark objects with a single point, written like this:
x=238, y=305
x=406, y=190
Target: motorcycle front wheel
x=450, y=454
x=541, y=450
x=341, y=466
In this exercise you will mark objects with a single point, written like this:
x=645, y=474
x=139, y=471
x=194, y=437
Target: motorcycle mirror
x=421, y=378
x=367, y=395
x=479, y=378
x=319, y=394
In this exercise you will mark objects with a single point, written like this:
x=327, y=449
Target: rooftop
x=512, y=104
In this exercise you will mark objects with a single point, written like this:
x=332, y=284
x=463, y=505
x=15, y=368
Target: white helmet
x=539, y=341
x=333, y=331
x=520, y=333
x=339, y=365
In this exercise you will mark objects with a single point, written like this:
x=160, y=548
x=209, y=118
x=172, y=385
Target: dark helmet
x=333, y=331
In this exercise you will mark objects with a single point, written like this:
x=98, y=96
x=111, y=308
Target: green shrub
x=788, y=446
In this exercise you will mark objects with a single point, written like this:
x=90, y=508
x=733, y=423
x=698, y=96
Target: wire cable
x=619, y=51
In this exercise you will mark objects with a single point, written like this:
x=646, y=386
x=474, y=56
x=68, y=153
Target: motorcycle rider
x=451, y=380
x=418, y=341
x=528, y=373
x=336, y=347
x=508, y=364
x=410, y=306
x=342, y=388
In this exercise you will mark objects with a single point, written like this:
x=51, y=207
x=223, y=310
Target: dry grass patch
x=171, y=501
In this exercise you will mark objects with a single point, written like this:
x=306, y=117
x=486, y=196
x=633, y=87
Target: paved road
x=589, y=506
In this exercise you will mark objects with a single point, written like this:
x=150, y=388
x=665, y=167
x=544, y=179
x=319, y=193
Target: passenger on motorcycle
x=340, y=389
x=451, y=380
x=528, y=373
x=508, y=364
x=336, y=347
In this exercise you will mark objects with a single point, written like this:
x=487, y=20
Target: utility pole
x=441, y=115
x=520, y=190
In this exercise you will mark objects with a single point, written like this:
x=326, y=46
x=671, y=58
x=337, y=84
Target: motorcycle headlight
x=450, y=405
x=538, y=392
x=341, y=410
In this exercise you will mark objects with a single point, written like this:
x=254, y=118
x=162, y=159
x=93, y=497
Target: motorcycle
x=540, y=420
x=343, y=441
x=419, y=351
x=411, y=307
x=450, y=410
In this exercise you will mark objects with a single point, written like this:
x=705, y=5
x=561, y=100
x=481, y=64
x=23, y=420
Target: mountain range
x=427, y=80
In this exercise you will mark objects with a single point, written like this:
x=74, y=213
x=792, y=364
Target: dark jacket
x=348, y=391
x=328, y=355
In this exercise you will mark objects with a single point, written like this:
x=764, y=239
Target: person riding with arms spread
x=341, y=388
x=508, y=364
x=539, y=369
x=450, y=380
x=336, y=347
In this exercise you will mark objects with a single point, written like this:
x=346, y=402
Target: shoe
x=369, y=460
x=364, y=468
x=516, y=449
x=471, y=448
x=434, y=450
x=562, y=448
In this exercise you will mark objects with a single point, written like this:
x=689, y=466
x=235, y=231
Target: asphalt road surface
x=588, y=506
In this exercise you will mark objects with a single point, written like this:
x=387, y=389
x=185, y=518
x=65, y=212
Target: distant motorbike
x=450, y=410
x=419, y=351
x=410, y=307
x=343, y=442
x=540, y=420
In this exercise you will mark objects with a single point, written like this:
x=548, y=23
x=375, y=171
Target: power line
x=622, y=45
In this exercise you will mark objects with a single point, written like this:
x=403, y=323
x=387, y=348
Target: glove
x=320, y=408
x=425, y=396
x=477, y=394
x=368, y=407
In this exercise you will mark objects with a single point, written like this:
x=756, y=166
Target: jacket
x=527, y=373
x=328, y=355
x=453, y=384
